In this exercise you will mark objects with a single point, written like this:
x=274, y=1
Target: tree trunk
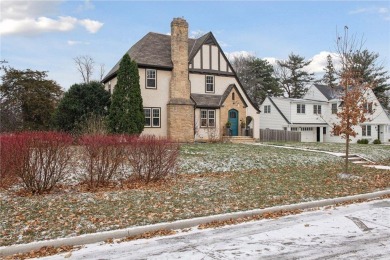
x=346, y=155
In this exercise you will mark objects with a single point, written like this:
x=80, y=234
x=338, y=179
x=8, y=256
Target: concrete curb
x=180, y=224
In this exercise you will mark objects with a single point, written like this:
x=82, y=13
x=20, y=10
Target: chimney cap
x=179, y=20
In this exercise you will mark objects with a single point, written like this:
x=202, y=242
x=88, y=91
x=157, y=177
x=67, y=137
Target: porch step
x=238, y=139
x=353, y=158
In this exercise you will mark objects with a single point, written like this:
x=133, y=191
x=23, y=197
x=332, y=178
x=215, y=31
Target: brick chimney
x=180, y=85
x=180, y=105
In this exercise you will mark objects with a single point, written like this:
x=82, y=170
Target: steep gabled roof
x=153, y=50
x=227, y=92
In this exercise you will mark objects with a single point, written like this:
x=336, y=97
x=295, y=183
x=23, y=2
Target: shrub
x=152, y=158
x=362, y=141
x=8, y=160
x=376, y=141
x=39, y=159
x=101, y=157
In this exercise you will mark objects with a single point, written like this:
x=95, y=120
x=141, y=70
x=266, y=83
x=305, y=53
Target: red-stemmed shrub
x=38, y=159
x=10, y=152
x=152, y=158
x=101, y=158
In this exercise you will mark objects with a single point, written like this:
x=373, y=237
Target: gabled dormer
x=206, y=56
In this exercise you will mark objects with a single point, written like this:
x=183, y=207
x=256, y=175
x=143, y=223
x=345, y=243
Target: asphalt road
x=359, y=231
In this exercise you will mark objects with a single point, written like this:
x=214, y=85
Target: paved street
x=360, y=231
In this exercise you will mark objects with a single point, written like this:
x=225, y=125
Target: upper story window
x=267, y=109
x=233, y=96
x=152, y=116
x=109, y=87
x=368, y=107
x=210, y=83
x=151, y=76
x=317, y=109
x=301, y=109
x=334, y=108
x=207, y=118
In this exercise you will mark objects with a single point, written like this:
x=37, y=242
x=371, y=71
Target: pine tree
x=330, y=76
x=257, y=77
x=126, y=113
x=292, y=75
x=366, y=64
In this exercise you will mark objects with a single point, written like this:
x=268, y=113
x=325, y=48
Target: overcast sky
x=47, y=35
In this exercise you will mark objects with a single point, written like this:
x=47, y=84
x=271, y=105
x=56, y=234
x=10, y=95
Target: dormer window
x=209, y=84
x=151, y=76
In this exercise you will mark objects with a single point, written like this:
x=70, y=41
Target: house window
x=294, y=129
x=207, y=118
x=301, y=109
x=109, y=87
x=151, y=78
x=334, y=108
x=366, y=130
x=267, y=109
x=306, y=129
x=152, y=117
x=233, y=96
x=368, y=107
x=317, y=109
x=209, y=83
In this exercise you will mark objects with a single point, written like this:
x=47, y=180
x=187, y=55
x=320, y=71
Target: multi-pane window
x=209, y=83
x=366, y=130
x=152, y=117
x=207, y=118
x=317, y=109
x=301, y=109
x=334, y=108
x=267, y=109
x=151, y=78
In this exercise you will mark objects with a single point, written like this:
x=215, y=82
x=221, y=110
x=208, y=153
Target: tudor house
x=314, y=115
x=189, y=89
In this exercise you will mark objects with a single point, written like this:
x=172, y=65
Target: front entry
x=233, y=119
x=318, y=134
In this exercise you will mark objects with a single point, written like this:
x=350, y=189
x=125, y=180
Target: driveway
x=358, y=231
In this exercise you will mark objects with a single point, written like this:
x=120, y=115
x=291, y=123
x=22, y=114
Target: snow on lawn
x=197, y=158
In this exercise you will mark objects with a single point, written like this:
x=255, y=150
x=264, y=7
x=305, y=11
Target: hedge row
x=40, y=160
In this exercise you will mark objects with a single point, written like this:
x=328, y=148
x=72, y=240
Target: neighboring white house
x=189, y=88
x=315, y=113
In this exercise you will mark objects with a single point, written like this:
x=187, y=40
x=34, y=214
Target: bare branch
x=85, y=65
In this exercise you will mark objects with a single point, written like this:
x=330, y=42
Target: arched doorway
x=233, y=119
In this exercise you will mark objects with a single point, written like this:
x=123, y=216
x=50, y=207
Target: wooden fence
x=270, y=135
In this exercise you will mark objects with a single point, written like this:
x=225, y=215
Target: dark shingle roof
x=206, y=101
x=327, y=91
x=154, y=50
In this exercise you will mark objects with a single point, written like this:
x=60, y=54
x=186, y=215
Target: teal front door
x=233, y=119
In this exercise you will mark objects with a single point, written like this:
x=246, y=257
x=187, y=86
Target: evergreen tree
x=330, y=76
x=79, y=103
x=126, y=113
x=257, y=77
x=366, y=65
x=292, y=75
x=27, y=99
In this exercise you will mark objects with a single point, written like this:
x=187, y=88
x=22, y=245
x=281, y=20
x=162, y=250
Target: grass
x=225, y=178
x=374, y=152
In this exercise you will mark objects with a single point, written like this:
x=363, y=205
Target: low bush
x=38, y=159
x=152, y=158
x=101, y=158
x=362, y=141
x=377, y=141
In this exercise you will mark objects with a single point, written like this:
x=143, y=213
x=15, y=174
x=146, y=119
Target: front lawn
x=225, y=178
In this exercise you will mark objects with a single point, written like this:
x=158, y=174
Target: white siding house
x=315, y=114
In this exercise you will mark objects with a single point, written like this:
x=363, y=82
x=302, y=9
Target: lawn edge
x=179, y=224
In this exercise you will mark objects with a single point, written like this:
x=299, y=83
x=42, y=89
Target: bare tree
x=85, y=65
x=102, y=71
x=355, y=109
